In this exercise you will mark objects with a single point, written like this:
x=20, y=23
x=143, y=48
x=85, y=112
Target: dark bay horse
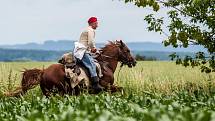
x=53, y=78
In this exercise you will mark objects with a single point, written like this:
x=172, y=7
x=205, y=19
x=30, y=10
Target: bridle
x=122, y=56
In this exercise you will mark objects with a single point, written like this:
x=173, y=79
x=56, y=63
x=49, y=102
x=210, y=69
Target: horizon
x=61, y=40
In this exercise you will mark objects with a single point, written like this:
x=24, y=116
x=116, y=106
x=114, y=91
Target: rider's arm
x=91, y=41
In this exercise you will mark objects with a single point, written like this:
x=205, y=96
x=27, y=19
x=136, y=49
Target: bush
x=139, y=57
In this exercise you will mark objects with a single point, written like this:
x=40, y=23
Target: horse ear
x=117, y=42
x=122, y=44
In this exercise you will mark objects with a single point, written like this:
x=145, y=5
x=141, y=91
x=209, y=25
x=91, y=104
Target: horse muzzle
x=131, y=63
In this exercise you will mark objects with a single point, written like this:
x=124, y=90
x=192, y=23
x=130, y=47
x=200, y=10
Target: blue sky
x=24, y=21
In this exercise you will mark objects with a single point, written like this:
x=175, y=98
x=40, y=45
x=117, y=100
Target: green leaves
x=154, y=24
x=206, y=65
x=188, y=22
x=179, y=106
x=183, y=37
x=143, y=3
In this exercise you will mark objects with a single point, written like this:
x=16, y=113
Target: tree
x=139, y=57
x=190, y=22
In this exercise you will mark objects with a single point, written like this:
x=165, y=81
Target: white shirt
x=85, y=43
x=79, y=50
x=87, y=38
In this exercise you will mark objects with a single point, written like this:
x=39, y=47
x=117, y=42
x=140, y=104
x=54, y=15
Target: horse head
x=124, y=54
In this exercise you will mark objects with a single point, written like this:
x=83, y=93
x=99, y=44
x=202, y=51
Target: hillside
x=63, y=45
x=50, y=55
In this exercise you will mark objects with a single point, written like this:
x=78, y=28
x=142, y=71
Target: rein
x=122, y=64
x=111, y=57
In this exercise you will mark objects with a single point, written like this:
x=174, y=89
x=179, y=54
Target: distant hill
x=64, y=45
x=149, y=46
x=29, y=55
x=53, y=50
x=50, y=55
x=47, y=45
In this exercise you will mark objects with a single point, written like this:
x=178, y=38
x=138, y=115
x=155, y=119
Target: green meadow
x=153, y=91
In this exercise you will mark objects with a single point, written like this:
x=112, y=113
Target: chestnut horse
x=53, y=78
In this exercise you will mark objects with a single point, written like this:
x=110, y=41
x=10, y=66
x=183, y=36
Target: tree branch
x=164, y=3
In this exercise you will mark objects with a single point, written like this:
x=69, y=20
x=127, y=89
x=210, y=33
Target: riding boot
x=95, y=84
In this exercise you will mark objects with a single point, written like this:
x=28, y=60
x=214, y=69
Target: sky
x=26, y=21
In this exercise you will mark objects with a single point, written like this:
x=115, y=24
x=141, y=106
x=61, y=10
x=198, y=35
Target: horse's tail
x=30, y=79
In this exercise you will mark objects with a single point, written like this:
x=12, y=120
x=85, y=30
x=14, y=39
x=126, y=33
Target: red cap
x=92, y=19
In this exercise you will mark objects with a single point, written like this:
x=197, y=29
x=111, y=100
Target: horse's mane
x=109, y=46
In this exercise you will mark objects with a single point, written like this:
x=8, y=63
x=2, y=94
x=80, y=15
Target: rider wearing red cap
x=84, y=48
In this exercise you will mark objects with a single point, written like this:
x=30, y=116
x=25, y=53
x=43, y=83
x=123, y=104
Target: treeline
x=29, y=55
x=45, y=55
x=139, y=57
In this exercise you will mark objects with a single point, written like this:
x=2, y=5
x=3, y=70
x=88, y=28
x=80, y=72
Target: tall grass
x=147, y=76
x=10, y=73
x=164, y=77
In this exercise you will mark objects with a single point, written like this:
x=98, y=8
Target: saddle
x=73, y=68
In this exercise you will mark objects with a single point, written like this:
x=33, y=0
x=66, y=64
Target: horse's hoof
x=122, y=91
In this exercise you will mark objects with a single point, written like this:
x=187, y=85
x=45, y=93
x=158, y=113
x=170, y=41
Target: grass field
x=154, y=91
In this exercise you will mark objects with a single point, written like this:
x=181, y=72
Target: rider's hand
x=97, y=52
x=93, y=50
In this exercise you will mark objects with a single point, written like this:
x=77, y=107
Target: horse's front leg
x=118, y=89
x=110, y=87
